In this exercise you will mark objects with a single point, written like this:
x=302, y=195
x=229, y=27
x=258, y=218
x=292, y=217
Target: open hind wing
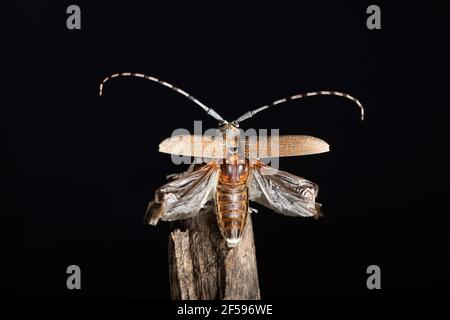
x=283, y=192
x=184, y=197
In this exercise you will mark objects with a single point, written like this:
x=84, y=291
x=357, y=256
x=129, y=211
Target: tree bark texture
x=202, y=267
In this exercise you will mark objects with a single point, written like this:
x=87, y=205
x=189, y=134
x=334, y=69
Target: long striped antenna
x=209, y=111
x=251, y=113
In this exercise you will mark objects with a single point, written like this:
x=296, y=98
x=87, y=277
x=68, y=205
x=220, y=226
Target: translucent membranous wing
x=184, y=197
x=283, y=192
x=200, y=146
x=283, y=146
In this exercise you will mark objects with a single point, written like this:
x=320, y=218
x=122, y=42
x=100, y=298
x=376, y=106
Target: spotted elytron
x=233, y=175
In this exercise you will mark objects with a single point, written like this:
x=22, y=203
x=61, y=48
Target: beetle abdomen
x=231, y=209
x=232, y=201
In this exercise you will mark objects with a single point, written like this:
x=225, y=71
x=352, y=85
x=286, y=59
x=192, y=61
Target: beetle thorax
x=232, y=138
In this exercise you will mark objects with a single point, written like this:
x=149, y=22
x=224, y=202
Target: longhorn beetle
x=233, y=173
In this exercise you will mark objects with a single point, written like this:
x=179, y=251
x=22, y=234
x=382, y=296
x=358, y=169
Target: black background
x=78, y=170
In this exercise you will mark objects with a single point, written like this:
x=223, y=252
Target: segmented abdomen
x=231, y=209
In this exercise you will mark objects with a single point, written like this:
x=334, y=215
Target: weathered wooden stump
x=202, y=267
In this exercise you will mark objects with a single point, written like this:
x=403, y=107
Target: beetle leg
x=174, y=176
x=250, y=210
